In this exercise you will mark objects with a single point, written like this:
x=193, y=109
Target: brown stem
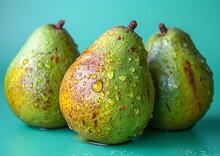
x=132, y=25
x=60, y=24
x=163, y=29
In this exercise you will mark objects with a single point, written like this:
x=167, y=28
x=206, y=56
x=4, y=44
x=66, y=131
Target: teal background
x=85, y=21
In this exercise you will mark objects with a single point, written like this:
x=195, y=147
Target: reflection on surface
x=203, y=139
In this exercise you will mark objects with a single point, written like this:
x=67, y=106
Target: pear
x=107, y=94
x=34, y=76
x=183, y=80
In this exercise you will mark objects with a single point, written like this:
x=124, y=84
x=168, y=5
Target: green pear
x=183, y=80
x=107, y=94
x=34, y=76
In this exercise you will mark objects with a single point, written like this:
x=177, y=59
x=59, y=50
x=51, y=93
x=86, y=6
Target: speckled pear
x=107, y=94
x=34, y=76
x=183, y=80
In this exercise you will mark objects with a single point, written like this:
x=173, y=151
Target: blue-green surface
x=85, y=21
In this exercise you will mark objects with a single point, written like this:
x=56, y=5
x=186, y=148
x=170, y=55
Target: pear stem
x=60, y=24
x=163, y=29
x=132, y=25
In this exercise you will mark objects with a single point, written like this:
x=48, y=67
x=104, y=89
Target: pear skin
x=34, y=76
x=107, y=94
x=183, y=80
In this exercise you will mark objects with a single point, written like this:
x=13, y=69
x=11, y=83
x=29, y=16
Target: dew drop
x=39, y=80
x=94, y=76
x=132, y=69
x=97, y=86
x=130, y=93
x=89, y=76
x=111, y=101
x=31, y=85
x=108, y=93
x=184, y=44
x=25, y=61
x=76, y=81
x=79, y=92
x=202, y=60
x=48, y=65
x=45, y=98
x=110, y=74
x=137, y=59
x=107, y=84
x=77, y=107
x=36, y=91
x=96, y=69
x=82, y=98
x=100, y=100
x=129, y=59
x=136, y=76
x=116, y=86
x=117, y=97
x=137, y=111
x=40, y=65
x=102, y=94
x=109, y=60
x=138, y=97
x=111, y=33
x=84, y=83
x=164, y=60
x=208, y=70
x=122, y=78
x=35, y=104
